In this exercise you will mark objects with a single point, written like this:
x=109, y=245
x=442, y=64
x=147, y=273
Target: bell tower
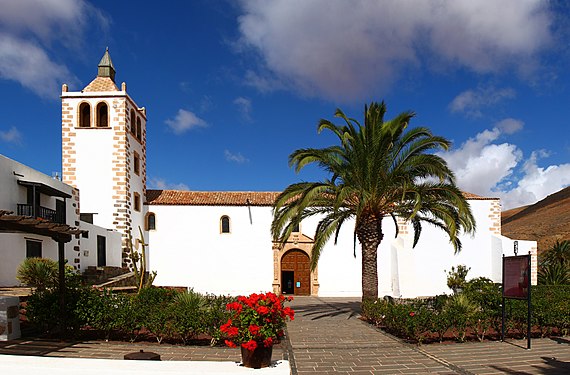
x=104, y=153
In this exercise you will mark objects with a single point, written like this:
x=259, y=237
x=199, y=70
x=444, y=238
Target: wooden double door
x=295, y=273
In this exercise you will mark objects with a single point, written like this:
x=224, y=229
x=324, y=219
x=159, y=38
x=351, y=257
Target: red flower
x=224, y=327
x=235, y=306
x=289, y=312
x=230, y=344
x=250, y=345
x=254, y=329
x=232, y=331
x=263, y=310
x=268, y=342
x=412, y=313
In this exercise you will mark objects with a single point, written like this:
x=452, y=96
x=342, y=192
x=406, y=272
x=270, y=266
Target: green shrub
x=43, y=308
x=456, y=278
x=215, y=315
x=477, y=308
x=188, y=315
x=152, y=309
x=461, y=310
x=39, y=273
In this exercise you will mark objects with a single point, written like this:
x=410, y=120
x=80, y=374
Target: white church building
x=214, y=242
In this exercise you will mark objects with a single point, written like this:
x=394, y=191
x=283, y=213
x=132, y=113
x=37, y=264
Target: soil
x=546, y=221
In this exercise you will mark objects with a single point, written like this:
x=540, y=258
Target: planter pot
x=258, y=358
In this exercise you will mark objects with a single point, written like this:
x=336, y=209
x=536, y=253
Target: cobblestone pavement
x=327, y=337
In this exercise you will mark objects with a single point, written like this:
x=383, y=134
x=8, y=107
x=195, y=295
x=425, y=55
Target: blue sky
x=232, y=88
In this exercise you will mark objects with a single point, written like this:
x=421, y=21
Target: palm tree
x=378, y=170
x=555, y=265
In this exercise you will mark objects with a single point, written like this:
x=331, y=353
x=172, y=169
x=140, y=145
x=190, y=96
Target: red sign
x=516, y=273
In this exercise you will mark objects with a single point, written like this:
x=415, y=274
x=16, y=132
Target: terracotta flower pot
x=258, y=358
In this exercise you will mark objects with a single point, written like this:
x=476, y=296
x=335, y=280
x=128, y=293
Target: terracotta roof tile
x=101, y=84
x=475, y=197
x=226, y=198
x=210, y=198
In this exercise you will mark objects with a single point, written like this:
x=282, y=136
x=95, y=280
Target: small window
x=296, y=228
x=225, y=224
x=84, y=115
x=132, y=122
x=137, y=201
x=102, y=115
x=33, y=249
x=150, y=221
x=137, y=164
x=139, y=129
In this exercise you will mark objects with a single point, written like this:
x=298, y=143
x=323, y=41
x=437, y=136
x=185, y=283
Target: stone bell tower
x=104, y=153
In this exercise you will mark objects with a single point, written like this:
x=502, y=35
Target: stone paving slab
x=546, y=356
x=117, y=350
x=327, y=337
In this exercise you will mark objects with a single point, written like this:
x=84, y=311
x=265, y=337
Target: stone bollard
x=9, y=318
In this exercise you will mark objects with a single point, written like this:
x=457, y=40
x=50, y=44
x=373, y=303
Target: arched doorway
x=295, y=273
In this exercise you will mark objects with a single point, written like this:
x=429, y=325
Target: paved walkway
x=327, y=337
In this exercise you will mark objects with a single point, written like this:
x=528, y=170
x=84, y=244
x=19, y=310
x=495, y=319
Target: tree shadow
x=327, y=309
x=552, y=366
x=34, y=346
x=560, y=340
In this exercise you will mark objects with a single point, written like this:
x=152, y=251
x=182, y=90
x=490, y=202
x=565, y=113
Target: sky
x=231, y=88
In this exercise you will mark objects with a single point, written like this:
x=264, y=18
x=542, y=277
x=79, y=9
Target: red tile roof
x=210, y=198
x=226, y=198
x=475, y=197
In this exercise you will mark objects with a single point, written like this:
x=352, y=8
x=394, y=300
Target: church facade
x=219, y=242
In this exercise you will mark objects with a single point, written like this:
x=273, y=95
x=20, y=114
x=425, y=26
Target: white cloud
x=537, y=182
x=11, y=136
x=235, y=157
x=29, y=65
x=184, y=121
x=244, y=107
x=343, y=49
x=162, y=184
x=471, y=102
x=485, y=166
x=509, y=125
x=30, y=29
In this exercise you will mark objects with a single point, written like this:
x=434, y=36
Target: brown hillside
x=546, y=221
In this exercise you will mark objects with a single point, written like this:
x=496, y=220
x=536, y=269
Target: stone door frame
x=297, y=241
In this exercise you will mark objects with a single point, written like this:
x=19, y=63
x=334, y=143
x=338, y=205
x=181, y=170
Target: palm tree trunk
x=369, y=232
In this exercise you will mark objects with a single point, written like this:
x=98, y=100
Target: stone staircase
x=108, y=276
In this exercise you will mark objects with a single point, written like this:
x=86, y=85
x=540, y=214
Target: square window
x=137, y=164
x=33, y=249
x=137, y=201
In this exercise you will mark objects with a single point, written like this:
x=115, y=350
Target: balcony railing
x=42, y=212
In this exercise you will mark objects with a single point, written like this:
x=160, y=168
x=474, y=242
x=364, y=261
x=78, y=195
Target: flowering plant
x=258, y=319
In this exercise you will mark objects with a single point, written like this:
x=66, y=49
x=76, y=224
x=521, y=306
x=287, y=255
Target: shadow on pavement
x=325, y=309
x=552, y=366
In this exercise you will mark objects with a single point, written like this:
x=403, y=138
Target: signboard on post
x=516, y=277
x=516, y=285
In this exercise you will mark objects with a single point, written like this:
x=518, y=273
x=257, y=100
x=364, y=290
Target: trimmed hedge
x=474, y=313
x=154, y=312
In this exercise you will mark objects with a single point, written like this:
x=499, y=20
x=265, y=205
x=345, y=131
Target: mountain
x=546, y=221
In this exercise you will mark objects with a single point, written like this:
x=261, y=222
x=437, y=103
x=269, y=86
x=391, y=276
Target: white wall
x=13, y=245
x=187, y=249
x=89, y=246
x=95, y=173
